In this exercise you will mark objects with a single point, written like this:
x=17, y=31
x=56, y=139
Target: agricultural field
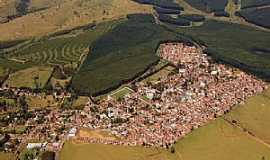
x=258, y=16
x=46, y=16
x=61, y=49
x=254, y=115
x=34, y=78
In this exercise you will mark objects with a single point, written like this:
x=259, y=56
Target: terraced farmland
x=61, y=49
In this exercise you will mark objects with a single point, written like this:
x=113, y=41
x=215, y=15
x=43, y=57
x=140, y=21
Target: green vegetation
x=120, y=55
x=254, y=115
x=28, y=154
x=34, y=78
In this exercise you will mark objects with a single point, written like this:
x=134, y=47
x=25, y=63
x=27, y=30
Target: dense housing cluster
x=157, y=114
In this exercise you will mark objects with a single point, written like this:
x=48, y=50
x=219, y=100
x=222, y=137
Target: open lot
x=35, y=77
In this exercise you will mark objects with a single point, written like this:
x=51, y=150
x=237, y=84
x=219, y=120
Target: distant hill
x=41, y=17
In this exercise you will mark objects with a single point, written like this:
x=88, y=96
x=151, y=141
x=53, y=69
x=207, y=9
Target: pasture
x=222, y=141
x=254, y=115
x=33, y=78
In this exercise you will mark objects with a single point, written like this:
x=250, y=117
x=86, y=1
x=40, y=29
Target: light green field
x=254, y=115
x=26, y=78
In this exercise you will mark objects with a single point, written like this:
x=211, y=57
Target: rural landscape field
x=134, y=79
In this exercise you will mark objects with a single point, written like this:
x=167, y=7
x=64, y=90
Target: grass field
x=254, y=115
x=35, y=77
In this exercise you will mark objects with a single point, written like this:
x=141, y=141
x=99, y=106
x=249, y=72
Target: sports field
x=120, y=93
x=35, y=77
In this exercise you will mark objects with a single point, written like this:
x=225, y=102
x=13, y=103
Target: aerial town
x=151, y=114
